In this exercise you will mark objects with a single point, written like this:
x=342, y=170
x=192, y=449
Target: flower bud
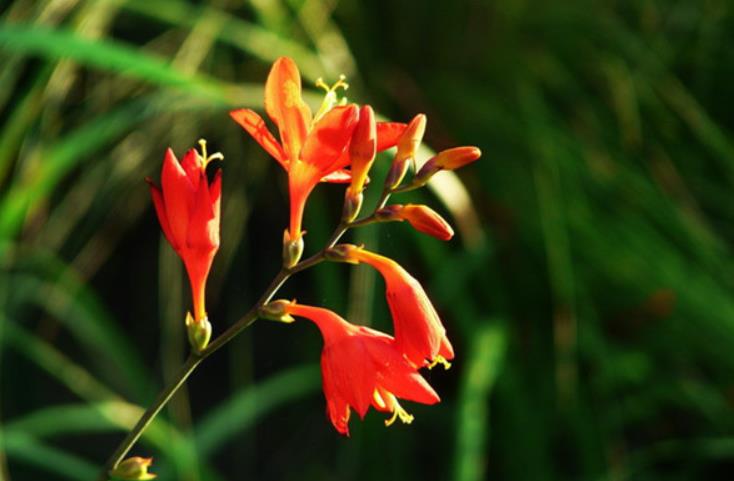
x=276, y=311
x=450, y=159
x=411, y=138
x=133, y=469
x=407, y=145
x=422, y=218
x=362, y=148
x=352, y=205
x=292, y=249
x=199, y=331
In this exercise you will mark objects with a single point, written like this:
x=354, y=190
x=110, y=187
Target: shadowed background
x=591, y=306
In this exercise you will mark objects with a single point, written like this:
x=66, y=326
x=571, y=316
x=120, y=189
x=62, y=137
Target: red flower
x=362, y=367
x=188, y=211
x=419, y=333
x=312, y=148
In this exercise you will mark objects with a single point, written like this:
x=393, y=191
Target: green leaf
x=483, y=365
x=22, y=447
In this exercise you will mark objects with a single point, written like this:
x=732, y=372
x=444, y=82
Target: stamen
x=205, y=159
x=399, y=412
x=330, y=99
x=439, y=360
x=378, y=400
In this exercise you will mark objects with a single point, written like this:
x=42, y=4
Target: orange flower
x=419, y=333
x=362, y=367
x=188, y=211
x=312, y=148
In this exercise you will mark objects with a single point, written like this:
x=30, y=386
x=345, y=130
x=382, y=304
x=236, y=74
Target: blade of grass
x=482, y=368
x=23, y=447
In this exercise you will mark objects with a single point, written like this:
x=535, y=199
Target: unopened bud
x=407, y=145
x=352, y=205
x=363, y=148
x=276, y=311
x=411, y=137
x=132, y=469
x=342, y=253
x=397, y=172
x=292, y=249
x=450, y=159
x=199, y=331
x=426, y=220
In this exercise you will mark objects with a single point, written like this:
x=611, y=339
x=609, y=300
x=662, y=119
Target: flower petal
x=203, y=233
x=255, y=126
x=338, y=411
x=178, y=196
x=160, y=210
x=191, y=164
x=284, y=104
x=329, y=138
x=409, y=385
x=388, y=134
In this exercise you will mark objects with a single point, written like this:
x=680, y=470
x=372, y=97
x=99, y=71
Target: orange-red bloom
x=312, y=148
x=188, y=211
x=362, y=367
x=419, y=333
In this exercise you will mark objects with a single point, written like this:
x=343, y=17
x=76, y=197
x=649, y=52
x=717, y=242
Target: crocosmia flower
x=188, y=210
x=312, y=148
x=419, y=333
x=362, y=367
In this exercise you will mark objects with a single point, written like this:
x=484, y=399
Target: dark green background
x=591, y=306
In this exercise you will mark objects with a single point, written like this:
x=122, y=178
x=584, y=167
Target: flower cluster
x=361, y=367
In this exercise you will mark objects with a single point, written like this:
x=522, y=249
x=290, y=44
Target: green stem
x=162, y=399
x=196, y=358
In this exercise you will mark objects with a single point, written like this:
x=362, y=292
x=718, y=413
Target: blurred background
x=589, y=293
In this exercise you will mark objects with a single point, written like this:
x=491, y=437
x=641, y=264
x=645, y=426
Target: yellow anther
x=439, y=360
x=399, y=412
x=341, y=83
x=330, y=99
x=205, y=159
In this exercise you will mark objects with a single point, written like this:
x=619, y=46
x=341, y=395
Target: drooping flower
x=188, y=210
x=362, y=367
x=419, y=333
x=421, y=217
x=312, y=148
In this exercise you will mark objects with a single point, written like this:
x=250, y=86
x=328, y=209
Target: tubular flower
x=421, y=217
x=419, y=333
x=362, y=367
x=188, y=211
x=312, y=148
